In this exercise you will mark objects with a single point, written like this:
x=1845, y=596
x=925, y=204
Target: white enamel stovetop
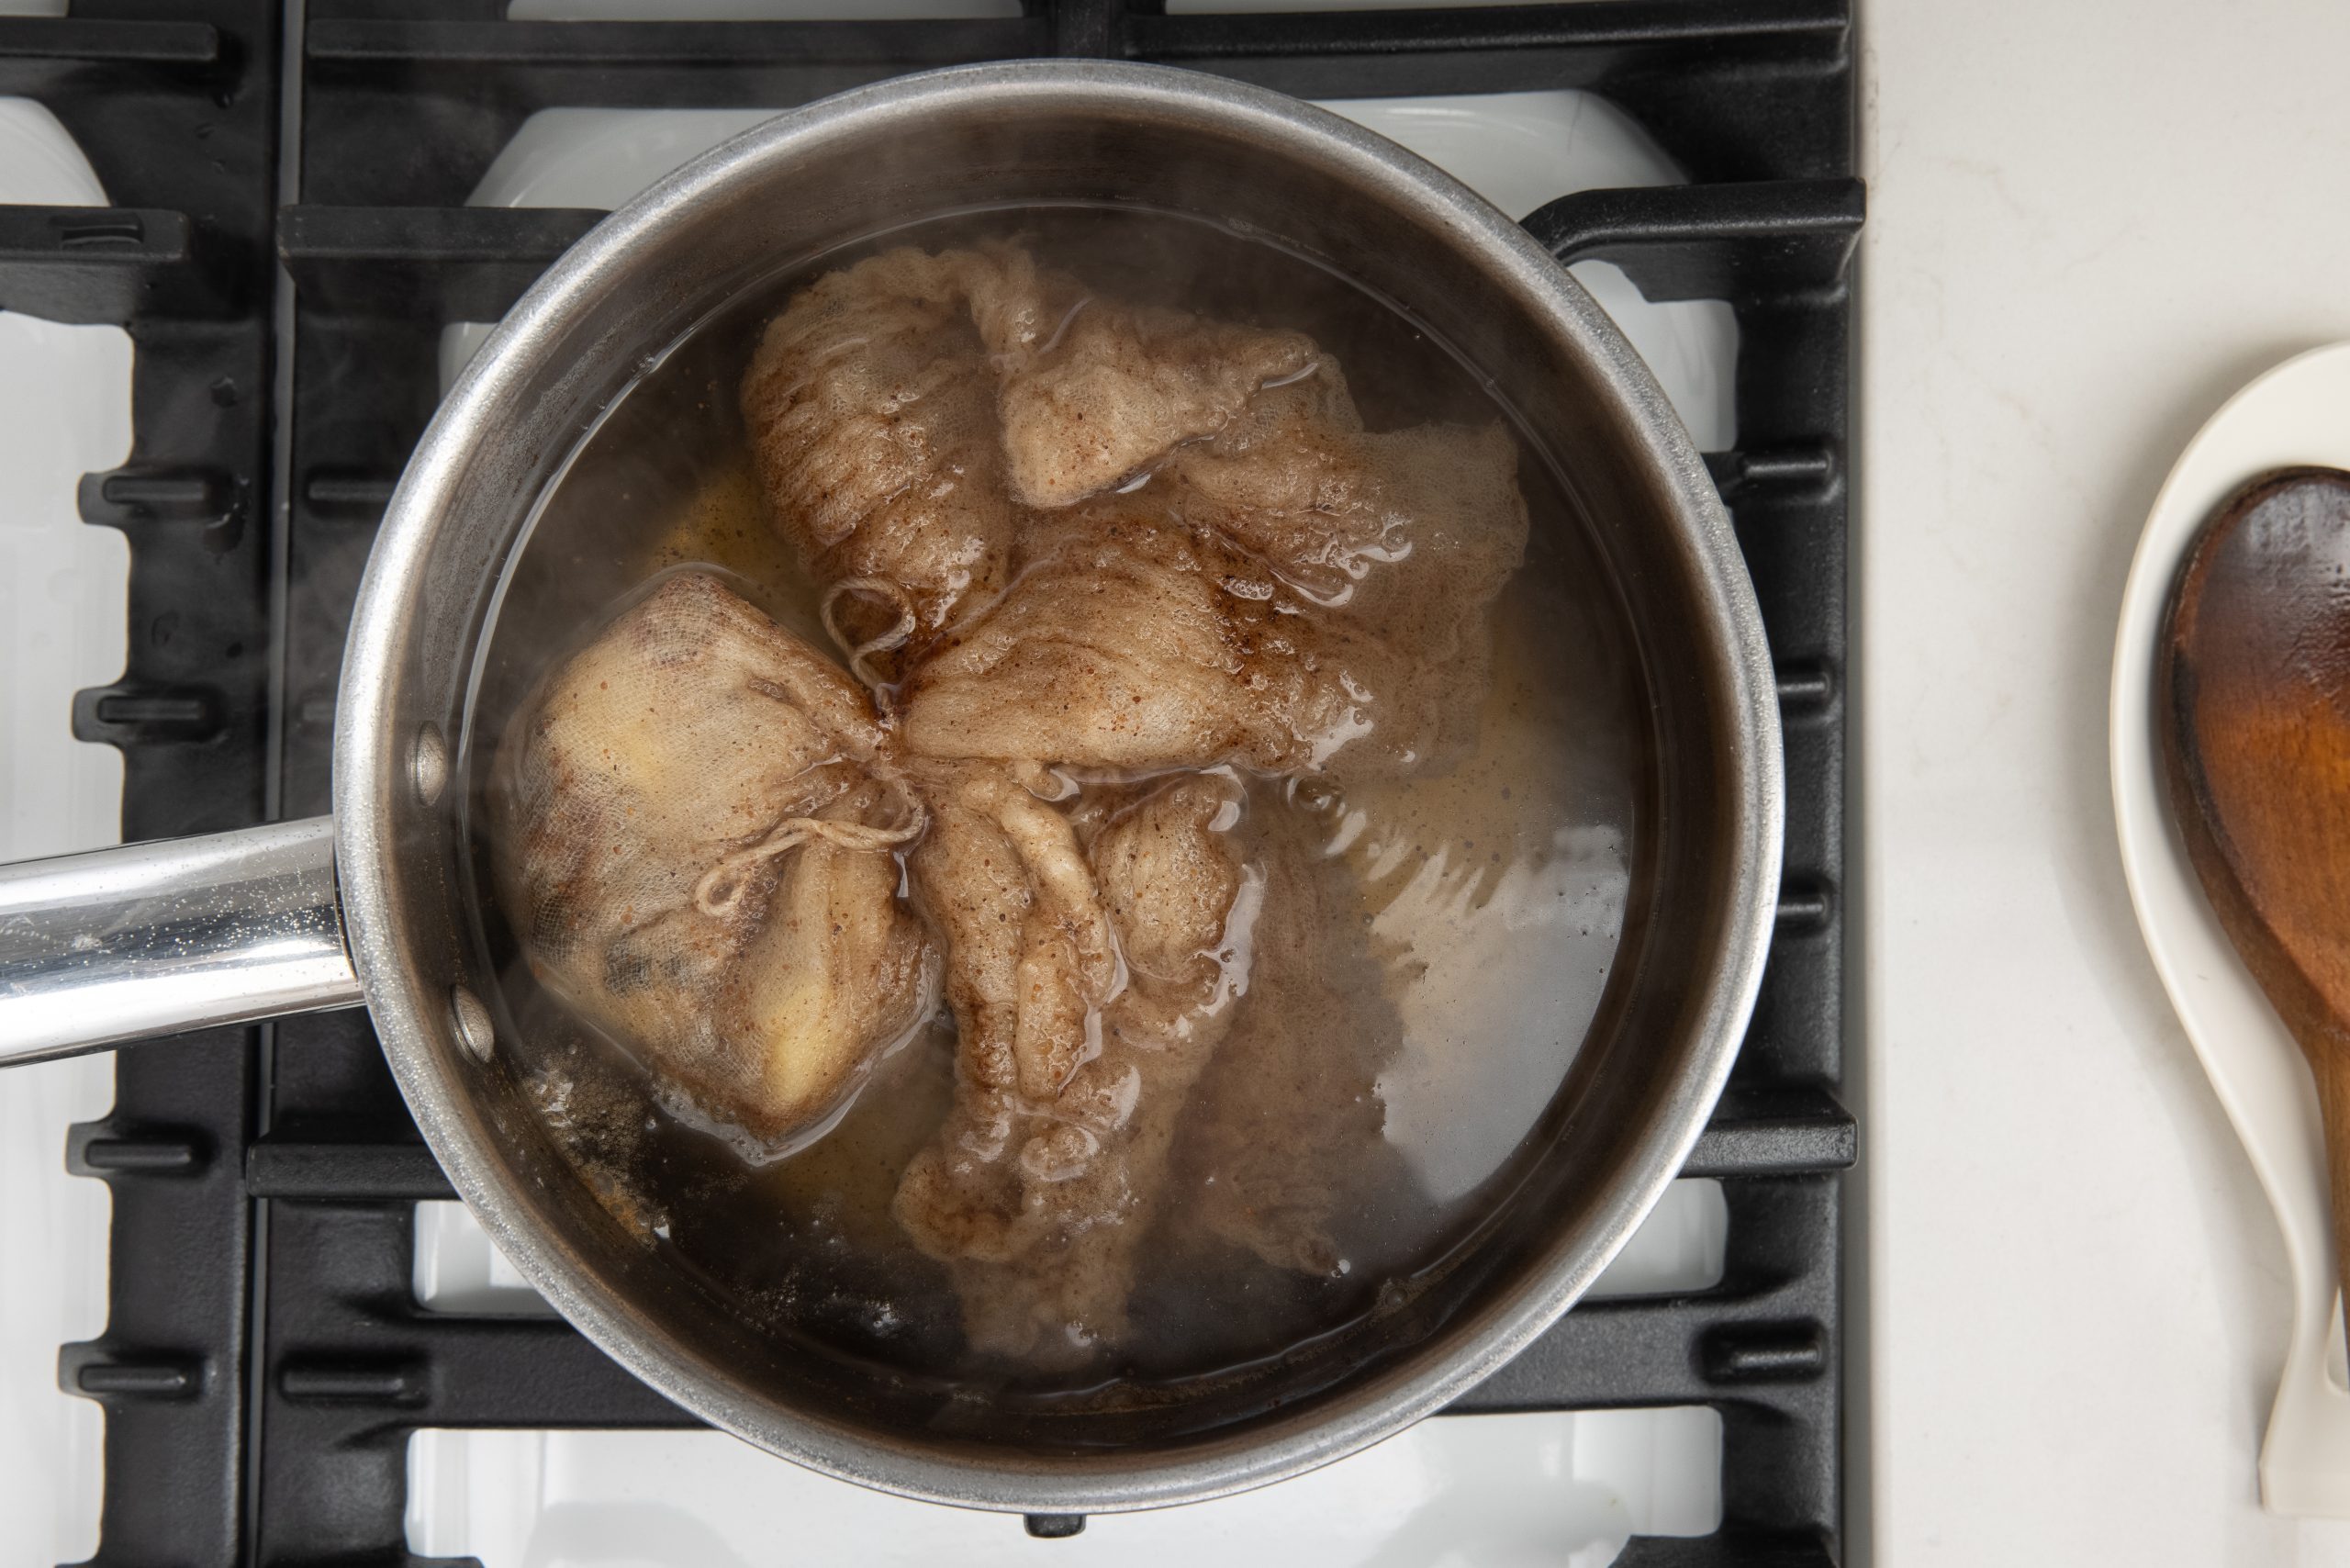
x=1530, y=1489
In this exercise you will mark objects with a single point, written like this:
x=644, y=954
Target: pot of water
x=1562, y=930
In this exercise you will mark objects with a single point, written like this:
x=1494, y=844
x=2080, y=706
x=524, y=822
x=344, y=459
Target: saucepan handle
x=152, y=938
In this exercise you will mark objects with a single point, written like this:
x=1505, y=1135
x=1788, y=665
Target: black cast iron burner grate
x=264, y=1361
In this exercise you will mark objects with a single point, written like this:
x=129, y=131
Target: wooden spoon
x=2252, y=687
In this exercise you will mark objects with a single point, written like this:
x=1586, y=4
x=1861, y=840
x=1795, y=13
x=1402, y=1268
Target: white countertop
x=2087, y=226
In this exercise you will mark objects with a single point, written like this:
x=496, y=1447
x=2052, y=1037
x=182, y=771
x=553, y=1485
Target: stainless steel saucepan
x=369, y=906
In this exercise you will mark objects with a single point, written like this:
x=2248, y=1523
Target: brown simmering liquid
x=1491, y=897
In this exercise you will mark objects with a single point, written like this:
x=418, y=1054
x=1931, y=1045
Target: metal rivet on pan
x=429, y=766
x=474, y=1027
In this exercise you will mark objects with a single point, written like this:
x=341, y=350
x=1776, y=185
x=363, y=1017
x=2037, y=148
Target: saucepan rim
x=414, y=1022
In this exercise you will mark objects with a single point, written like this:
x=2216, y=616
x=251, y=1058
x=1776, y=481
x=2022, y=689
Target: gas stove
x=306, y=1350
